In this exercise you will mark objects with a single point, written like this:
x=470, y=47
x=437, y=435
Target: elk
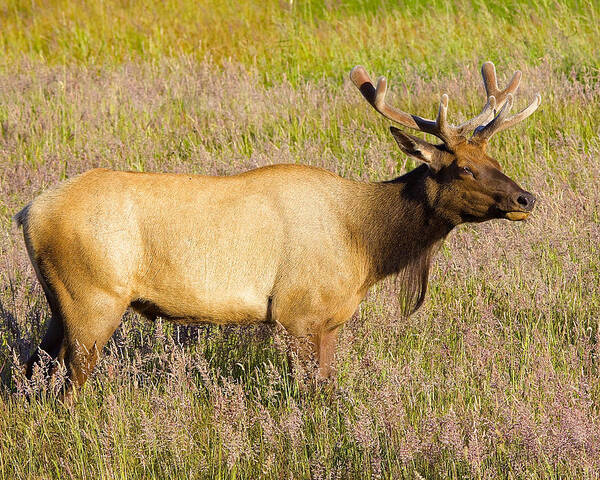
x=292, y=244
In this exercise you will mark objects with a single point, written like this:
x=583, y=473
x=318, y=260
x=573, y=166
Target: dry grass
x=496, y=376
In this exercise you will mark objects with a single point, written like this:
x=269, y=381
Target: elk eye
x=467, y=170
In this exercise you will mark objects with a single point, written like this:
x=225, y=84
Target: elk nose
x=526, y=200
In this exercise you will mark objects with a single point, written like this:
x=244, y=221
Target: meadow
x=496, y=376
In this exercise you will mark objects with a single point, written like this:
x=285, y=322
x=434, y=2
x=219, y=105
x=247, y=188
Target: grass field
x=496, y=376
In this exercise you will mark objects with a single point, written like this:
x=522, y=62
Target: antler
x=450, y=134
x=376, y=97
x=490, y=83
x=483, y=133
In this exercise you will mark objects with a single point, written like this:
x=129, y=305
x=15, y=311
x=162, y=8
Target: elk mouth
x=516, y=215
x=519, y=209
x=512, y=215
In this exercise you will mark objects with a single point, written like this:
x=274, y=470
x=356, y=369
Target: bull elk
x=291, y=244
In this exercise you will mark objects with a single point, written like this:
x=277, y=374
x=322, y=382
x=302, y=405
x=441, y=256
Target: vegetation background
x=498, y=374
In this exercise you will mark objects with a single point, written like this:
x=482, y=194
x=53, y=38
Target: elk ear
x=417, y=148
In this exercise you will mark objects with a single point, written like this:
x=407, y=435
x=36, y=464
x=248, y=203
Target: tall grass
x=303, y=39
x=496, y=376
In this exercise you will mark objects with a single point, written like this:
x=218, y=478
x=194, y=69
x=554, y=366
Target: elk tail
x=21, y=217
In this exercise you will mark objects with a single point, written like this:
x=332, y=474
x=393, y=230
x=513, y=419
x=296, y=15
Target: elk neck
x=400, y=224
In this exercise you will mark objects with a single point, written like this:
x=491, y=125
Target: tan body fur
x=275, y=244
x=212, y=249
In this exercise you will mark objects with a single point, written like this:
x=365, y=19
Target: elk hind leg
x=89, y=324
x=51, y=344
x=53, y=338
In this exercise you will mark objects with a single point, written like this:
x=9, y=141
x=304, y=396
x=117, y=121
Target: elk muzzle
x=524, y=203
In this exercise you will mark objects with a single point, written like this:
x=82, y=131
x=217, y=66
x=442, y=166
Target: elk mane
x=411, y=281
x=401, y=233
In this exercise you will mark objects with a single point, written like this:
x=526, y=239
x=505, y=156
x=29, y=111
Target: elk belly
x=212, y=282
x=236, y=309
x=212, y=266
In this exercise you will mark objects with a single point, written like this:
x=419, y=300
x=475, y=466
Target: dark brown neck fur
x=401, y=230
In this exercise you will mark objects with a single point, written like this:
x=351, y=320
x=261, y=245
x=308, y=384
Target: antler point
x=381, y=84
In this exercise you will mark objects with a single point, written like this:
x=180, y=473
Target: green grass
x=299, y=40
x=496, y=376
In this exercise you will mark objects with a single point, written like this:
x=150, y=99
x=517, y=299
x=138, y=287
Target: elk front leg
x=325, y=343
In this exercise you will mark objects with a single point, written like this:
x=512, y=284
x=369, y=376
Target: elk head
x=472, y=187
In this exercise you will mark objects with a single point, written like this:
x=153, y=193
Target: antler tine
x=440, y=127
x=500, y=122
x=490, y=82
x=376, y=97
x=390, y=112
x=441, y=122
